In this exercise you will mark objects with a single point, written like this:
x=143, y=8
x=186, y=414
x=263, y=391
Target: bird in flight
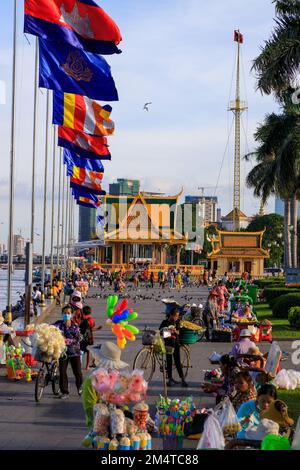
x=146, y=106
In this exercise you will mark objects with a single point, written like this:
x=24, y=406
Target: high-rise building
x=279, y=207
x=18, y=245
x=87, y=224
x=124, y=187
x=208, y=204
x=2, y=248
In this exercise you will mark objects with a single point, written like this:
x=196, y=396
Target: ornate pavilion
x=238, y=252
x=142, y=229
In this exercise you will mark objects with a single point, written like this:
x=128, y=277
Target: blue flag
x=77, y=193
x=70, y=70
x=71, y=160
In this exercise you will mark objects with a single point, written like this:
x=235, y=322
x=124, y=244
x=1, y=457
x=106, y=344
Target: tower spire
x=237, y=107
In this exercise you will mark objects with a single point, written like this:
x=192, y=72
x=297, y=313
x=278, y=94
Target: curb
x=280, y=338
x=45, y=313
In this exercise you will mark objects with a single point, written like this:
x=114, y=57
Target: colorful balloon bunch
x=119, y=388
x=120, y=316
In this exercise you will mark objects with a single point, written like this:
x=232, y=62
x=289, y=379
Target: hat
x=245, y=333
x=278, y=412
x=107, y=355
x=77, y=304
x=265, y=427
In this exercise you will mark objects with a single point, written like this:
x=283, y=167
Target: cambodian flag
x=71, y=160
x=82, y=114
x=84, y=145
x=81, y=23
x=70, y=70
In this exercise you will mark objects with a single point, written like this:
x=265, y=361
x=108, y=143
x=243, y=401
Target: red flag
x=85, y=145
x=238, y=37
x=81, y=23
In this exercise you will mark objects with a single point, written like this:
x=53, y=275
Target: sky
x=178, y=54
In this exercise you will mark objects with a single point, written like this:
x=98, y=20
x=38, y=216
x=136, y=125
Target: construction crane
x=237, y=107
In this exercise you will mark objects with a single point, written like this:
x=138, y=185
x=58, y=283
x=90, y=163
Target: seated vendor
x=229, y=368
x=249, y=412
x=244, y=389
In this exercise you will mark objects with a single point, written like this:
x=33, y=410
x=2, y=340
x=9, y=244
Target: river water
x=18, y=286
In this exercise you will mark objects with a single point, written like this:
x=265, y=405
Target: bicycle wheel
x=40, y=384
x=55, y=379
x=185, y=359
x=145, y=361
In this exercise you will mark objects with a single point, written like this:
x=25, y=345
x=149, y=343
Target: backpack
x=87, y=336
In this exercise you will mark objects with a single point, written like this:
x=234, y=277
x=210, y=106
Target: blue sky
x=179, y=54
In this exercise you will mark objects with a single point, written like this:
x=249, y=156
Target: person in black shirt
x=172, y=323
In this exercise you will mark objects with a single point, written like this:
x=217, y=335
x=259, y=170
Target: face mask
x=66, y=316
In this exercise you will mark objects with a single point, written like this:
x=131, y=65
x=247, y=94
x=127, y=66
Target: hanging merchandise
x=212, y=436
x=227, y=417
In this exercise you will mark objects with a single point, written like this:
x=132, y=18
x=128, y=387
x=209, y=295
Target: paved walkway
x=56, y=424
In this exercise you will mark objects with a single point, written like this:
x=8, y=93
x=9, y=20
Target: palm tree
x=278, y=171
x=277, y=65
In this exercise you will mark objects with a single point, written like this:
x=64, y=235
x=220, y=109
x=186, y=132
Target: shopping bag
x=212, y=436
x=227, y=417
x=159, y=345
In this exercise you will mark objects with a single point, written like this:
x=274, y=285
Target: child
x=87, y=326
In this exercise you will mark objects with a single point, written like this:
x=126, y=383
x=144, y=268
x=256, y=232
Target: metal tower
x=237, y=107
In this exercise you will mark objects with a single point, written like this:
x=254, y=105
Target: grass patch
x=281, y=326
x=292, y=399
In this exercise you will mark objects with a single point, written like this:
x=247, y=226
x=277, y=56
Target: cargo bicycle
x=48, y=373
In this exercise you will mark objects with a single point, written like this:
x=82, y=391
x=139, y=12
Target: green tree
x=273, y=236
x=277, y=171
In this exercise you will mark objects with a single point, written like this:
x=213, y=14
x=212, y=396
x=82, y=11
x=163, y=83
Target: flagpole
x=58, y=212
x=53, y=198
x=12, y=173
x=28, y=287
x=42, y=304
x=66, y=229
x=62, y=219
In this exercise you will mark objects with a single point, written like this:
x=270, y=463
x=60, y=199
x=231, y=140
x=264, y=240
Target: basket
x=148, y=337
x=188, y=336
x=40, y=356
x=219, y=336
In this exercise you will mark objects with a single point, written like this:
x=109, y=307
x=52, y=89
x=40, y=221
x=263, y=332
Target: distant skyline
x=176, y=54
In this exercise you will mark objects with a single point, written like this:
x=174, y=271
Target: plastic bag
x=212, y=436
x=296, y=440
x=227, y=417
x=287, y=379
x=159, y=345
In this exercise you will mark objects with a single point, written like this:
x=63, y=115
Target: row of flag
x=73, y=36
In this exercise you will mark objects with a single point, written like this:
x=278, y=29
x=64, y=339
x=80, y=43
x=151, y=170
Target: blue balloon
x=121, y=317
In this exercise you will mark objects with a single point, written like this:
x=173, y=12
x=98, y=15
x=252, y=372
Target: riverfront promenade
x=57, y=424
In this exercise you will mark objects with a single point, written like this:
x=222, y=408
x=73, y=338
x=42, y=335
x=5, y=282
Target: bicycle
x=148, y=358
x=48, y=373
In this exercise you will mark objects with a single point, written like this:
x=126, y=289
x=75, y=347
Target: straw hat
x=108, y=356
x=278, y=412
x=265, y=427
x=245, y=334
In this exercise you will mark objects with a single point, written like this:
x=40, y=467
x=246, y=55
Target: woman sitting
x=229, y=368
x=249, y=412
x=244, y=389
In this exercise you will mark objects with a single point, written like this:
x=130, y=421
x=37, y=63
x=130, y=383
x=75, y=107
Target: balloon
x=112, y=300
x=132, y=328
x=128, y=335
x=110, y=311
x=121, y=343
x=117, y=329
x=132, y=316
x=121, y=317
x=122, y=306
